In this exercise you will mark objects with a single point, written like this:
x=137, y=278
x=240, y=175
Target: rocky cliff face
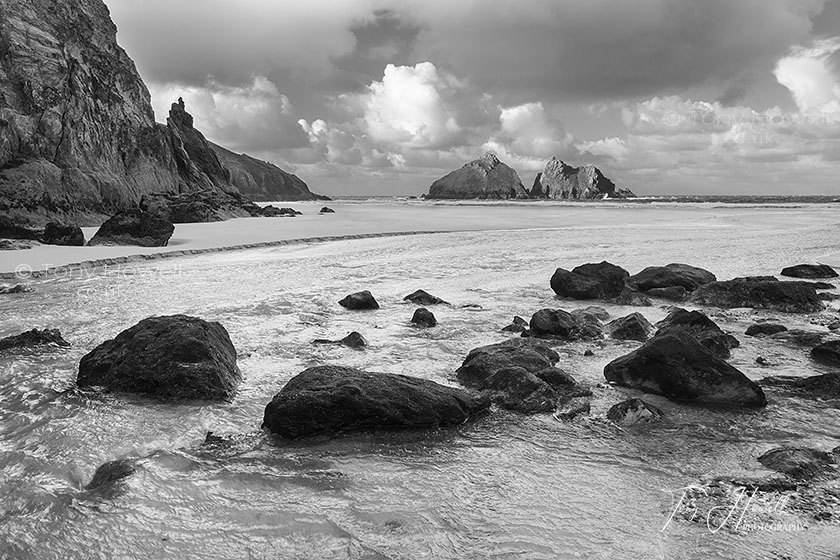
x=78, y=138
x=483, y=178
x=260, y=180
x=560, y=180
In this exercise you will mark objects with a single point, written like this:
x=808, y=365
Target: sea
x=504, y=486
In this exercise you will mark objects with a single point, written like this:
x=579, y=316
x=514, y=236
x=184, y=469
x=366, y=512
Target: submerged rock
x=589, y=281
x=331, y=399
x=677, y=366
x=134, y=227
x=16, y=289
x=827, y=353
x=630, y=327
x=359, y=301
x=353, y=340
x=788, y=297
x=821, y=386
x=799, y=336
x=758, y=329
x=519, y=390
x=61, y=234
x=633, y=411
x=423, y=318
x=518, y=325
x=809, y=271
x=109, y=479
x=422, y=297
x=699, y=326
x=559, y=180
x=798, y=462
x=32, y=338
x=674, y=275
x=484, y=178
x=172, y=357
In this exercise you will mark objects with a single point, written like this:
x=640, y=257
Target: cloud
x=408, y=107
x=613, y=148
x=255, y=117
x=811, y=74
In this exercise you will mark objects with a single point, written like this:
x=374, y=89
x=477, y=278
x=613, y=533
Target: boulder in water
x=589, y=281
x=698, y=325
x=798, y=462
x=674, y=275
x=758, y=329
x=134, y=227
x=556, y=323
x=331, y=399
x=519, y=325
x=61, y=234
x=671, y=293
x=422, y=297
x=423, y=318
x=560, y=180
x=788, y=297
x=359, y=301
x=172, y=357
x=274, y=212
x=630, y=327
x=353, y=340
x=633, y=411
x=483, y=361
x=825, y=386
x=827, y=353
x=810, y=271
x=680, y=368
x=16, y=289
x=326, y=210
x=33, y=338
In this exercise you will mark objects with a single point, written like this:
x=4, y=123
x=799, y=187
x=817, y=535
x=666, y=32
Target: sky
x=382, y=97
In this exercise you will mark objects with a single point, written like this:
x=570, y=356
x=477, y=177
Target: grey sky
x=380, y=97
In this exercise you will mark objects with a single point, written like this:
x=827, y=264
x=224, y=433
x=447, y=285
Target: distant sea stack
x=560, y=180
x=78, y=137
x=484, y=178
x=262, y=181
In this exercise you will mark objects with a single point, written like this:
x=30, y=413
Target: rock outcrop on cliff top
x=78, y=137
x=483, y=178
x=560, y=180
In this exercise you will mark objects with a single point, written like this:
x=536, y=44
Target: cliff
x=78, y=138
x=483, y=178
x=562, y=181
x=262, y=181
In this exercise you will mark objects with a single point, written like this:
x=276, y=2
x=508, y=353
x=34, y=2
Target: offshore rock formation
x=78, y=137
x=262, y=181
x=560, y=180
x=483, y=178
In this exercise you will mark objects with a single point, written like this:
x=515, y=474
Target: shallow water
x=504, y=486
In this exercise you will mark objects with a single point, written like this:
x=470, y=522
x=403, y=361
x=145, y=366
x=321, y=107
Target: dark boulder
x=134, y=227
x=589, y=281
x=788, y=297
x=671, y=293
x=422, y=297
x=484, y=361
x=483, y=178
x=800, y=337
x=359, y=300
x=10, y=229
x=821, y=386
x=518, y=325
x=633, y=411
x=423, y=318
x=353, y=340
x=16, y=289
x=556, y=323
x=60, y=234
x=32, y=338
x=326, y=210
x=827, y=353
x=834, y=326
x=823, y=285
x=274, y=212
x=670, y=276
x=698, y=325
x=630, y=327
x=109, y=479
x=809, y=271
x=591, y=314
x=631, y=297
x=172, y=357
x=680, y=368
x=798, y=462
x=758, y=329
x=199, y=206
x=331, y=399
x=520, y=390
x=558, y=379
